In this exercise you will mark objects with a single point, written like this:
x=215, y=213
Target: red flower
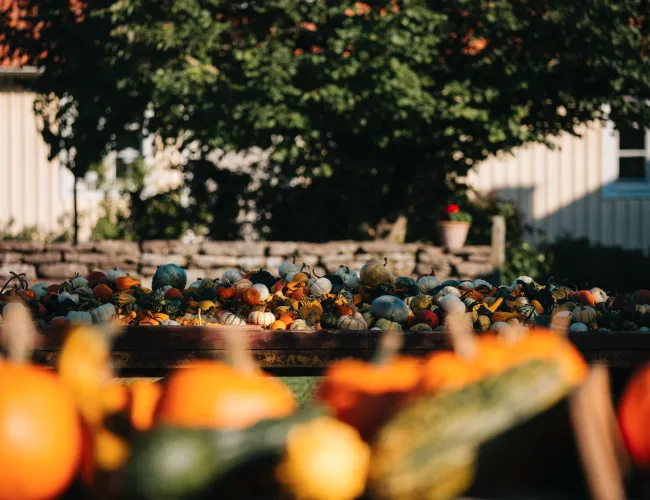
x=452, y=208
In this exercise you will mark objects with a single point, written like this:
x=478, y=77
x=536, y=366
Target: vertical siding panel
x=551, y=159
x=539, y=188
x=607, y=236
x=634, y=225
x=565, y=211
x=593, y=159
x=580, y=193
x=645, y=227
x=15, y=160
x=31, y=177
x=620, y=226
x=4, y=159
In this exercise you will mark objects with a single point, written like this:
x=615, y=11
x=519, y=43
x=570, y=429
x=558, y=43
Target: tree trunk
x=75, y=217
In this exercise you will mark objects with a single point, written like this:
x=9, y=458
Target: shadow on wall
x=622, y=222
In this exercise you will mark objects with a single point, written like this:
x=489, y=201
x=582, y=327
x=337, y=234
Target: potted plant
x=453, y=230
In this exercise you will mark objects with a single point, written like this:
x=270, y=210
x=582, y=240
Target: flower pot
x=453, y=234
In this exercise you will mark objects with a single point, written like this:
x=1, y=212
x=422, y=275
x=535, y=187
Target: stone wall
x=59, y=261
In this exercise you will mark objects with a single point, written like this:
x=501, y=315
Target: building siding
x=559, y=191
x=29, y=183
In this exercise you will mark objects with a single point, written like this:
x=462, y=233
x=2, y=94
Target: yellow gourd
x=324, y=459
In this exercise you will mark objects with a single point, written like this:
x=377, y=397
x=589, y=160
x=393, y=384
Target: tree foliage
x=371, y=110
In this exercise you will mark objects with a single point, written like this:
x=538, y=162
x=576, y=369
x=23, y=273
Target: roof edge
x=20, y=72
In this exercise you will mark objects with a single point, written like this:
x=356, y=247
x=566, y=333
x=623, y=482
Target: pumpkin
x=68, y=298
x=228, y=318
x=262, y=277
x=351, y=323
x=263, y=291
x=583, y=314
x=241, y=286
x=599, y=295
x=390, y=308
x=633, y=417
x=287, y=318
x=578, y=327
x=387, y=325
x=345, y=273
x=420, y=328
x=169, y=275
x=215, y=395
x=320, y=287
x=278, y=325
x=286, y=268
x=231, y=276
x=420, y=302
x=374, y=273
x=324, y=459
x=621, y=302
x=103, y=293
x=641, y=297
x=41, y=461
x=251, y=296
x=125, y=282
x=428, y=284
x=225, y=291
x=365, y=395
x=451, y=304
x=261, y=318
x=299, y=324
x=40, y=290
x=328, y=320
x=113, y=274
x=427, y=317
x=103, y=313
x=311, y=311
x=79, y=318
x=583, y=297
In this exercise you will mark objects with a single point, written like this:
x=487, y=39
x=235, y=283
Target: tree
x=372, y=110
x=87, y=105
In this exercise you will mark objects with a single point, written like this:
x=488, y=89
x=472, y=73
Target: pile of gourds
x=298, y=299
x=395, y=427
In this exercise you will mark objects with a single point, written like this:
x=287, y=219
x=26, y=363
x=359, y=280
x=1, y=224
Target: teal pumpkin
x=390, y=308
x=169, y=275
x=641, y=297
x=404, y=281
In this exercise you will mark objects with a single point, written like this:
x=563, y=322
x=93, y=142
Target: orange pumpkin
x=125, y=282
x=138, y=400
x=251, y=296
x=446, y=371
x=299, y=293
x=225, y=291
x=278, y=286
x=41, y=461
x=365, y=395
x=173, y=294
x=344, y=311
x=583, y=297
x=103, y=293
x=634, y=415
x=218, y=396
x=287, y=318
x=278, y=325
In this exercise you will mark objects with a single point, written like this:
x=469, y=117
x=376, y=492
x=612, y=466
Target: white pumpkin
x=526, y=279
x=261, y=318
x=63, y=296
x=79, y=281
x=351, y=323
x=263, y=291
x=103, y=313
x=388, y=325
x=353, y=283
x=500, y=326
x=79, y=318
x=231, y=319
x=599, y=295
x=578, y=327
x=451, y=290
x=301, y=324
x=451, y=304
x=345, y=273
x=643, y=308
x=583, y=314
x=320, y=287
x=286, y=268
x=169, y=322
x=466, y=285
x=427, y=284
x=231, y=276
x=113, y=274
x=40, y=290
x=478, y=282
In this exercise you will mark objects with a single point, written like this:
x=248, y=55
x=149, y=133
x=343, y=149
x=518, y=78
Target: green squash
x=171, y=463
x=430, y=448
x=169, y=275
x=390, y=308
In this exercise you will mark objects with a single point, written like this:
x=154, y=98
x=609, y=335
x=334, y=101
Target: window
x=626, y=162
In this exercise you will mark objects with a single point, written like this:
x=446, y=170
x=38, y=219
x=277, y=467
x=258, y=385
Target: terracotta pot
x=453, y=234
